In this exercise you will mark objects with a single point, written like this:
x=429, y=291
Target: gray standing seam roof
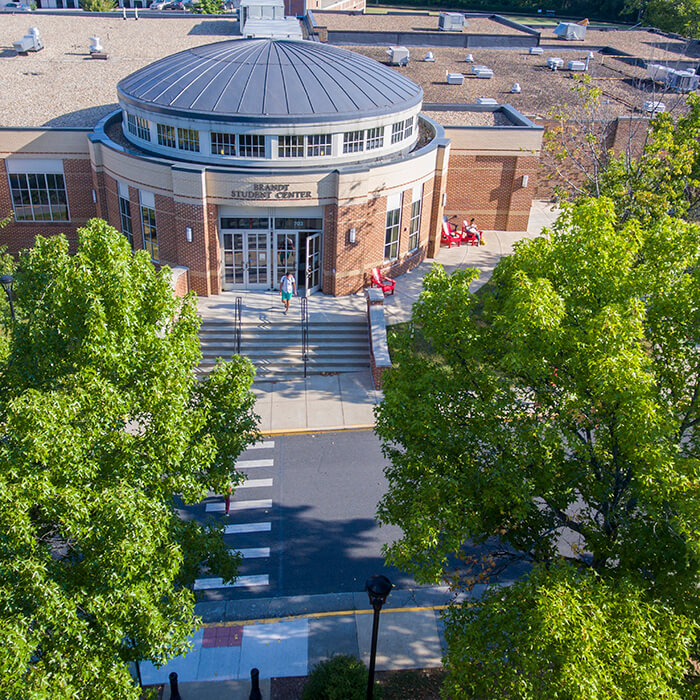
x=278, y=80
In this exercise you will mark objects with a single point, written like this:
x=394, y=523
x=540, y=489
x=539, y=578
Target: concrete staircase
x=275, y=348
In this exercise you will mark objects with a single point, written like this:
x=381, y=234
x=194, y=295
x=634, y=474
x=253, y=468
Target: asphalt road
x=311, y=501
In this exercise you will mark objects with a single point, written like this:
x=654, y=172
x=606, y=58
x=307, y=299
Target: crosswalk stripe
x=242, y=528
x=252, y=463
x=220, y=507
x=205, y=584
x=254, y=484
x=253, y=552
x=264, y=445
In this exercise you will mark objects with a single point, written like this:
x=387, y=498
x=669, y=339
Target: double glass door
x=246, y=259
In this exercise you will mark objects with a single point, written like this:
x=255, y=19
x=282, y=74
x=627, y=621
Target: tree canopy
x=553, y=418
x=103, y=424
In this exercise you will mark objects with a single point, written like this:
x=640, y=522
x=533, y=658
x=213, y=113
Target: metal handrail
x=305, y=333
x=237, y=315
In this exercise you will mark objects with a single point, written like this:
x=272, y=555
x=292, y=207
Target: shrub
x=341, y=677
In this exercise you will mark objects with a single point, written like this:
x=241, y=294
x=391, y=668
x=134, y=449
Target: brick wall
x=79, y=185
x=489, y=188
x=347, y=267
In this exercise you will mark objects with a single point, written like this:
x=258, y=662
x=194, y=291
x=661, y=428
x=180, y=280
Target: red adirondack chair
x=450, y=235
x=386, y=284
x=469, y=237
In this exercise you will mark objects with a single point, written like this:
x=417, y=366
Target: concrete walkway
x=346, y=400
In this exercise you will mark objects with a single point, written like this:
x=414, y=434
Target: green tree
x=566, y=633
x=103, y=424
x=209, y=7
x=98, y=5
x=556, y=416
x=682, y=17
x=652, y=172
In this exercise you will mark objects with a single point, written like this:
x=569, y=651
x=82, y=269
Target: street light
x=7, y=281
x=378, y=588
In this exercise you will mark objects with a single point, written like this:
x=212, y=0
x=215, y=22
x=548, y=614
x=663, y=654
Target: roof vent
x=482, y=72
x=653, y=107
x=486, y=101
x=577, y=65
x=429, y=58
x=455, y=78
x=536, y=51
x=95, y=46
x=469, y=58
x=554, y=62
x=29, y=42
x=516, y=89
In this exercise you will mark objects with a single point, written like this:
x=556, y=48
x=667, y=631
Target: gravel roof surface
x=469, y=118
x=405, y=22
x=61, y=86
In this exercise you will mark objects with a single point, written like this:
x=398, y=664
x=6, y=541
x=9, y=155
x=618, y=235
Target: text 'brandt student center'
x=238, y=161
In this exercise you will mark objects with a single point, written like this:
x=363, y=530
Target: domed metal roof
x=270, y=80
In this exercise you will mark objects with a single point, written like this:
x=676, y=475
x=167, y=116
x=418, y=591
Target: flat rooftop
x=62, y=86
x=406, y=22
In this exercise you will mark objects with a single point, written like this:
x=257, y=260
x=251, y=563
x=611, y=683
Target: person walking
x=288, y=286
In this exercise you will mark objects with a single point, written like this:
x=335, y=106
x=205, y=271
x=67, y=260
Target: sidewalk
x=285, y=637
x=346, y=401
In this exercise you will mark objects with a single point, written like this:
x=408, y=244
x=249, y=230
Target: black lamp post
x=174, y=691
x=378, y=588
x=7, y=281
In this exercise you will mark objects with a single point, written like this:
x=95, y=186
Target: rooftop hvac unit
x=455, y=79
x=482, y=72
x=516, y=89
x=451, y=22
x=536, y=50
x=554, y=62
x=653, y=107
x=571, y=31
x=429, y=58
x=686, y=81
x=29, y=42
x=577, y=65
x=486, y=101
x=398, y=55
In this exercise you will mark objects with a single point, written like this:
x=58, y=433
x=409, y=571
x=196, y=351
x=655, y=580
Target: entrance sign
x=266, y=191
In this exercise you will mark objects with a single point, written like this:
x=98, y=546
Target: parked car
x=157, y=5
x=15, y=7
x=180, y=7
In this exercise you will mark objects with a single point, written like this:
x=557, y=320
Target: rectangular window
x=408, y=128
x=223, y=144
x=318, y=145
x=125, y=217
x=138, y=126
x=243, y=222
x=251, y=146
x=166, y=136
x=393, y=227
x=39, y=197
x=396, y=132
x=290, y=146
x=375, y=138
x=414, y=227
x=148, y=224
x=300, y=224
x=188, y=139
x=353, y=141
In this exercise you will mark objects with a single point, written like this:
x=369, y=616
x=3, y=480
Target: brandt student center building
x=238, y=161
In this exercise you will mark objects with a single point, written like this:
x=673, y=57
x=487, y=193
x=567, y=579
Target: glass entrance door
x=246, y=259
x=313, y=263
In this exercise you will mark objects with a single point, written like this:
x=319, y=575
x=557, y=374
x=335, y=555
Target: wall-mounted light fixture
x=352, y=235
x=94, y=197
x=526, y=179
x=444, y=198
x=188, y=234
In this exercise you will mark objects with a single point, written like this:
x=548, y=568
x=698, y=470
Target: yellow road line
x=335, y=613
x=302, y=431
